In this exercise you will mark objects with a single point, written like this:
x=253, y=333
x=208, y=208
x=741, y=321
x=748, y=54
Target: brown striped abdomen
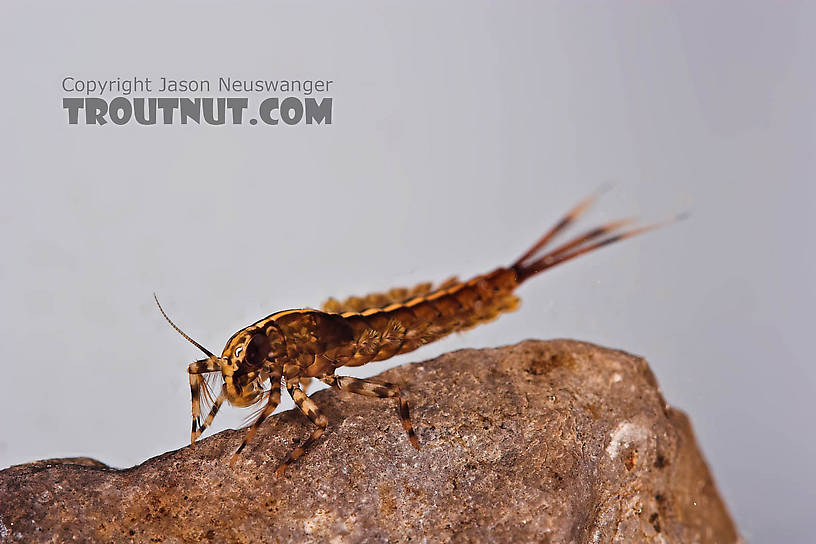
x=380, y=333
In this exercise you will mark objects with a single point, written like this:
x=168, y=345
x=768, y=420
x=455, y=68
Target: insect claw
x=281, y=469
x=194, y=432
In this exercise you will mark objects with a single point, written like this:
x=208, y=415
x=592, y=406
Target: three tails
x=533, y=261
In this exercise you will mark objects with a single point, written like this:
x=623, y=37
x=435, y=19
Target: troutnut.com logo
x=225, y=100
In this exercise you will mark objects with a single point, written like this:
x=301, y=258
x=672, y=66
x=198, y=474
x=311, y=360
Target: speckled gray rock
x=556, y=442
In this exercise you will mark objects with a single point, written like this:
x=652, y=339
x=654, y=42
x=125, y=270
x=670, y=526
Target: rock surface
x=555, y=442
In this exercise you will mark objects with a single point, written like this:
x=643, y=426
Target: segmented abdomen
x=380, y=333
x=317, y=341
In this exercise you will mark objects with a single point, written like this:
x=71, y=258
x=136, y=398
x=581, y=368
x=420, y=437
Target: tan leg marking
x=195, y=371
x=213, y=411
x=311, y=410
x=272, y=402
x=381, y=390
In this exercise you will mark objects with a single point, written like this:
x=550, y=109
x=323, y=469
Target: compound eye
x=257, y=349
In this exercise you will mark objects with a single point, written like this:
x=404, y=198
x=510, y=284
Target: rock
x=555, y=442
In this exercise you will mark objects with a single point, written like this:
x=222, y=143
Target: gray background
x=460, y=132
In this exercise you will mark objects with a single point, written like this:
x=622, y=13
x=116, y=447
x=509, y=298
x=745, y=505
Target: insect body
x=282, y=349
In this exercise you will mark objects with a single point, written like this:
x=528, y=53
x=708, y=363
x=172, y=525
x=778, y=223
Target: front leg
x=213, y=411
x=311, y=410
x=195, y=371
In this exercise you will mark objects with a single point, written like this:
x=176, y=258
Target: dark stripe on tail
x=530, y=263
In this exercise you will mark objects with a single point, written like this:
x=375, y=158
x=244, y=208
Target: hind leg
x=380, y=390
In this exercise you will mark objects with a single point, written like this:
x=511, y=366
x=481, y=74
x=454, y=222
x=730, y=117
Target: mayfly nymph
x=286, y=347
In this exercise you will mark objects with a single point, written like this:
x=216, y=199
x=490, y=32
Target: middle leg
x=271, y=404
x=311, y=410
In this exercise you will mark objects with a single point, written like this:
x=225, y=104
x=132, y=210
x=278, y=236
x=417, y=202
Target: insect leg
x=308, y=407
x=380, y=390
x=271, y=403
x=305, y=383
x=195, y=371
x=213, y=411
